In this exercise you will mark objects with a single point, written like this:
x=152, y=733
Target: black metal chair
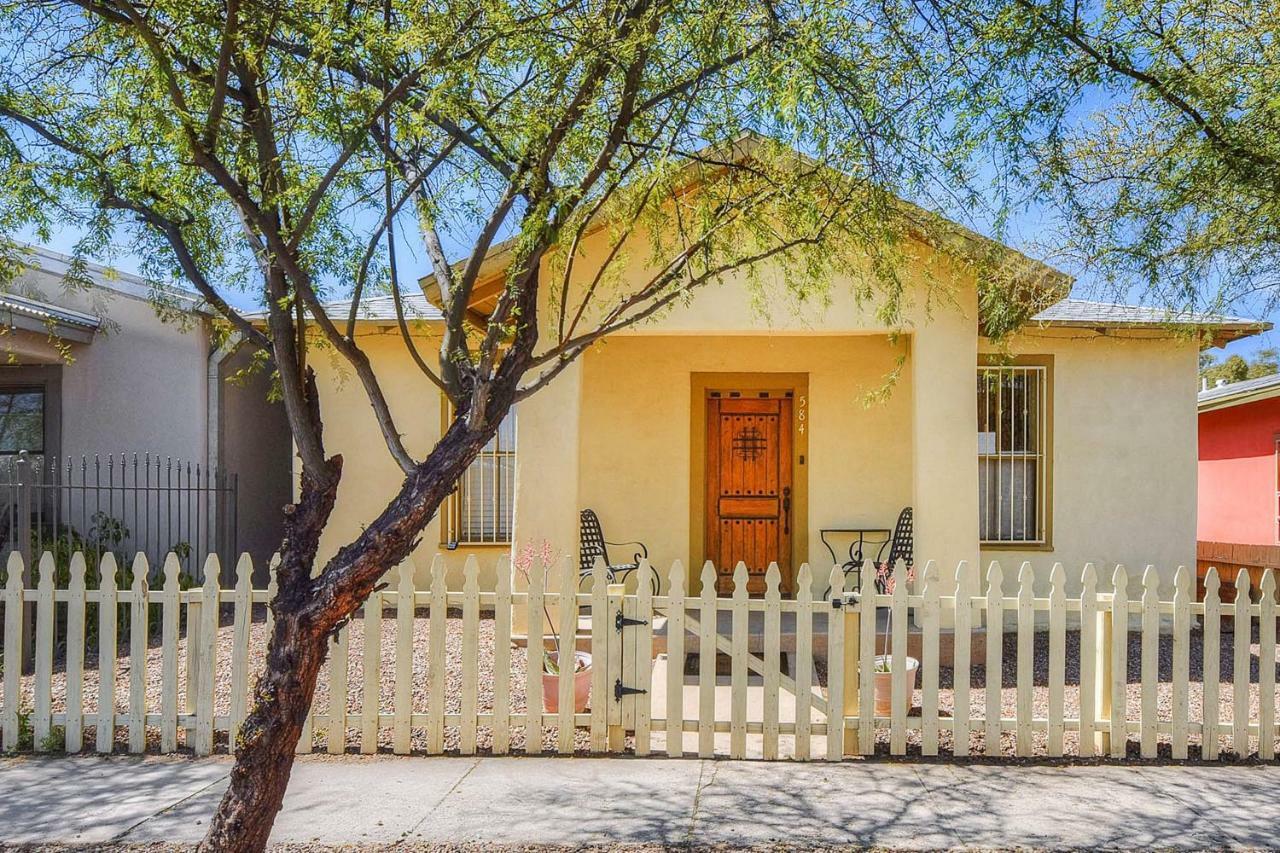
x=592, y=545
x=900, y=546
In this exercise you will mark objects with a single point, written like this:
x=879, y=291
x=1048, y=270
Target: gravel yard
x=422, y=693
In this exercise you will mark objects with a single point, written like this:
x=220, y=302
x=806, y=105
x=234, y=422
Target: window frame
x=1043, y=540
x=48, y=380
x=451, y=514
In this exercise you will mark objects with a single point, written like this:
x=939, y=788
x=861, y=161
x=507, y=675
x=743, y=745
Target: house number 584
x=802, y=413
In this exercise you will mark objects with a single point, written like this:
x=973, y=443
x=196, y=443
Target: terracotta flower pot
x=581, y=687
x=884, y=685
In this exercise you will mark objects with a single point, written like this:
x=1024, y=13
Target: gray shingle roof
x=20, y=306
x=383, y=308
x=1083, y=312
x=1247, y=389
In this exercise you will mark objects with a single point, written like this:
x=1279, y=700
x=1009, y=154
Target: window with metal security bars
x=481, y=508
x=1013, y=445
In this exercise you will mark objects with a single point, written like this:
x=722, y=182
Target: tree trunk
x=265, y=746
x=307, y=610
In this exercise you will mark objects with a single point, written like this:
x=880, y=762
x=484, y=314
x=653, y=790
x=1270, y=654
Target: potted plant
x=884, y=662
x=524, y=564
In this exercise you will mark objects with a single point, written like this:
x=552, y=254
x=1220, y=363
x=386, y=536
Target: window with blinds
x=481, y=509
x=1013, y=445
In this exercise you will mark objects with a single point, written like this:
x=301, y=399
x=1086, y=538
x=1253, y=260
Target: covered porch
x=756, y=448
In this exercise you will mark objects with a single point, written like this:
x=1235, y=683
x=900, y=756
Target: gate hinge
x=621, y=621
x=619, y=690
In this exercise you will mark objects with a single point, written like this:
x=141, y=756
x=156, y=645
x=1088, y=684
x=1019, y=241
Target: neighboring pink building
x=1239, y=479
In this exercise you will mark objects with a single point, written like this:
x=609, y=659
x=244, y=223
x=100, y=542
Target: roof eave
x=1231, y=400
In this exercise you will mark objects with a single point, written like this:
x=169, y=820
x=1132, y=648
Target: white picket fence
x=456, y=698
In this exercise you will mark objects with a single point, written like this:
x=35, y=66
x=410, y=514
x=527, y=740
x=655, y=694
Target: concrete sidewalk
x=587, y=801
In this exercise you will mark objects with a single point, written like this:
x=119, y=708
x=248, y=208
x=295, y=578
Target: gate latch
x=619, y=690
x=621, y=621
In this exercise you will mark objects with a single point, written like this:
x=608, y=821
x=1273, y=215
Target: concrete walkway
x=585, y=801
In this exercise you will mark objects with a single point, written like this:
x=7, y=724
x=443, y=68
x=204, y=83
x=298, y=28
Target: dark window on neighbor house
x=22, y=414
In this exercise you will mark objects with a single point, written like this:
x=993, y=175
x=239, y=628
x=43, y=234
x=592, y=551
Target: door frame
x=701, y=384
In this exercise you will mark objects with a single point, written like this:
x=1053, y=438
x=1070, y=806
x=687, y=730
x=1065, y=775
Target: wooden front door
x=749, y=488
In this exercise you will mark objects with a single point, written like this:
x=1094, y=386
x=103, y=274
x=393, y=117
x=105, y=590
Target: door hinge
x=619, y=690
x=621, y=621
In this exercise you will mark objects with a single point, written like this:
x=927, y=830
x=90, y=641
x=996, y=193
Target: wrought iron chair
x=593, y=545
x=900, y=546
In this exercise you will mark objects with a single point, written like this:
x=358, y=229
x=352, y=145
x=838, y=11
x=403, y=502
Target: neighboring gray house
x=137, y=412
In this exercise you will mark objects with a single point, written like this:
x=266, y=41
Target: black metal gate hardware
x=619, y=690
x=621, y=621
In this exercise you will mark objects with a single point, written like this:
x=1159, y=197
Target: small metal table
x=861, y=535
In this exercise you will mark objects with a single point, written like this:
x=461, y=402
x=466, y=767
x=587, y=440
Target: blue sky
x=1026, y=232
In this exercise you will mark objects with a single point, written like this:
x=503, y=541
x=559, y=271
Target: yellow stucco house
x=745, y=425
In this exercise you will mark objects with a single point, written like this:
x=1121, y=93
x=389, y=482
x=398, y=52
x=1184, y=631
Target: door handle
x=786, y=510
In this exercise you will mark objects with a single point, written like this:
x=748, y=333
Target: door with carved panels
x=749, y=487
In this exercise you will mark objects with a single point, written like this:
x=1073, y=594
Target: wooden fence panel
x=867, y=663
x=42, y=716
x=738, y=666
x=962, y=606
x=467, y=733
x=437, y=652
x=336, y=736
x=1211, y=669
x=1181, y=678
x=1026, y=674
x=502, y=660
x=565, y=656
x=1056, y=727
x=929, y=661
x=170, y=620
x=1267, y=667
x=139, y=630
x=242, y=619
x=1240, y=668
x=74, y=739
x=600, y=638
x=1106, y=715
x=995, y=657
x=707, y=663
x=835, y=668
x=13, y=607
x=533, y=666
x=804, y=662
x=675, y=663
x=899, y=692
x=1088, y=660
x=402, y=703
x=644, y=659
x=206, y=686
x=371, y=666
x=1119, y=661
x=1149, y=672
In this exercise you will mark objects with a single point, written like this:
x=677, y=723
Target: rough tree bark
x=307, y=610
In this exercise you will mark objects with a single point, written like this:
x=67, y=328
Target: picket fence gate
x=830, y=720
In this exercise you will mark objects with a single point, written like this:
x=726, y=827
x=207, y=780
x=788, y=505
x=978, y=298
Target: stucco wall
x=1237, y=473
x=255, y=444
x=370, y=477
x=1124, y=468
x=140, y=386
x=635, y=452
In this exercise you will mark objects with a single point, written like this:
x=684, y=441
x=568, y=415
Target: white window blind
x=481, y=509
x=1013, y=434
